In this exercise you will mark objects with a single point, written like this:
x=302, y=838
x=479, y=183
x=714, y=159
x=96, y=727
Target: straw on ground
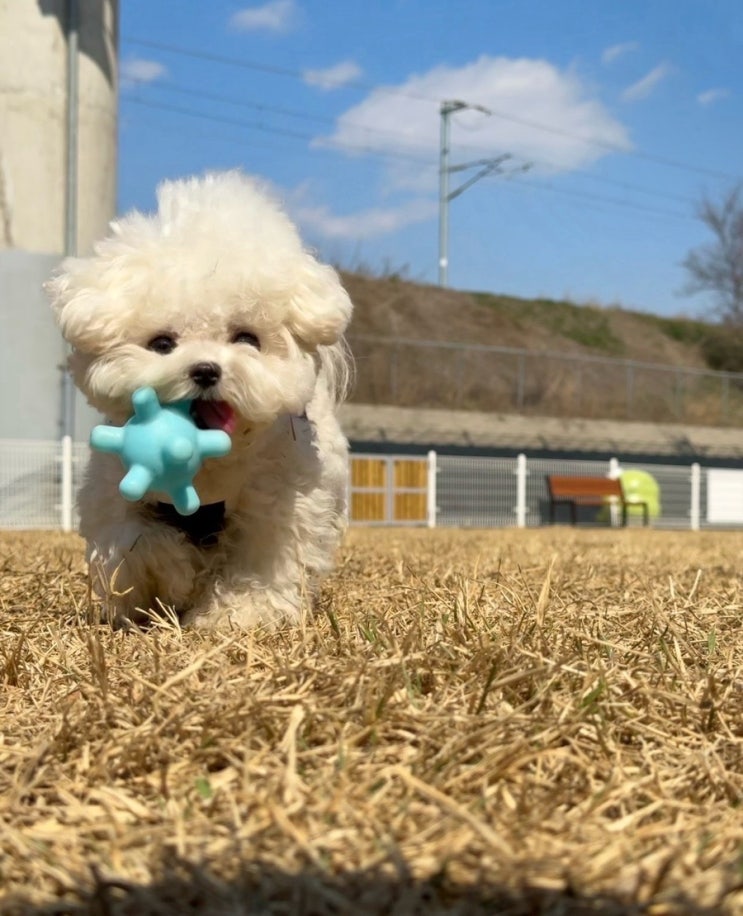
x=473, y=722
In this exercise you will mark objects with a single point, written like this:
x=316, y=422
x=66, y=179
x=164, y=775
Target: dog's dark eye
x=162, y=344
x=246, y=337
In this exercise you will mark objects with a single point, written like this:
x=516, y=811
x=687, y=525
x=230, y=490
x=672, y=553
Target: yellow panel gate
x=392, y=490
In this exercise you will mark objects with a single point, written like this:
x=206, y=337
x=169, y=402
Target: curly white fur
x=218, y=260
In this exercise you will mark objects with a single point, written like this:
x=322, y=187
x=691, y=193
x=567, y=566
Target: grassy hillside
x=573, y=385
x=395, y=307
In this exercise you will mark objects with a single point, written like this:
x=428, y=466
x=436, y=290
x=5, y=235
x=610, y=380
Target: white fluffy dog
x=213, y=298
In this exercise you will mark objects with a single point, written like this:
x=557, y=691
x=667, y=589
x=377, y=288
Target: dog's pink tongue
x=215, y=415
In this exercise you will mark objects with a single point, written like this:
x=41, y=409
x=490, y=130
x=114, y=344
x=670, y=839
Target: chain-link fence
x=413, y=373
x=31, y=482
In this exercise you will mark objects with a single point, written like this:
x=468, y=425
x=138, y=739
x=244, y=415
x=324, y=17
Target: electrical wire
x=298, y=135
x=361, y=85
x=325, y=119
x=295, y=134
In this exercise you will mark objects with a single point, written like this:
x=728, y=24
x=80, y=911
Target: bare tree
x=717, y=268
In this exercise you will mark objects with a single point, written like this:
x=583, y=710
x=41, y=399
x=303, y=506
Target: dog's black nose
x=205, y=374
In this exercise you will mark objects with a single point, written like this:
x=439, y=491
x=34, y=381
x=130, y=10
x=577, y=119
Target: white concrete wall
x=33, y=145
x=33, y=111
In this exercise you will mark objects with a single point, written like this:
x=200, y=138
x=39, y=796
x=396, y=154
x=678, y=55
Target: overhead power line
x=599, y=198
x=193, y=92
x=263, y=107
x=386, y=154
x=295, y=134
x=361, y=85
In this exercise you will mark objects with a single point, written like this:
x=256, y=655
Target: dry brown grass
x=510, y=722
x=390, y=373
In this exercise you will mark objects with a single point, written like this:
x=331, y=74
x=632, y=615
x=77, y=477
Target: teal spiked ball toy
x=162, y=449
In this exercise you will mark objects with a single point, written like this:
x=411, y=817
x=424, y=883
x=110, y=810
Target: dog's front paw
x=242, y=612
x=206, y=618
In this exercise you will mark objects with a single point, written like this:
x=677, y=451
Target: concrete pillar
x=33, y=106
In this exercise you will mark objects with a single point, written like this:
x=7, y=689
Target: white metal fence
x=39, y=480
x=503, y=492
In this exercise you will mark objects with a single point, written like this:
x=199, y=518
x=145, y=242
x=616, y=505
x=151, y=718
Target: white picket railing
x=39, y=481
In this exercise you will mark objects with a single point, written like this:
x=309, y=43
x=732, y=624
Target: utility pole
x=487, y=166
x=446, y=109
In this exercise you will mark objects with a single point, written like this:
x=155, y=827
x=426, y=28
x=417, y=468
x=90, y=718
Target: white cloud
x=366, y=223
x=710, y=96
x=333, y=77
x=614, y=52
x=643, y=87
x=135, y=70
x=539, y=113
x=274, y=16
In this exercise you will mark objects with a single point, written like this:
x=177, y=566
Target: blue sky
x=616, y=116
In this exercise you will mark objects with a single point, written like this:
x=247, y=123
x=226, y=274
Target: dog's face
x=213, y=298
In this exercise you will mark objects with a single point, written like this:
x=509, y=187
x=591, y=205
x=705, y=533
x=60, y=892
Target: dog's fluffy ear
x=75, y=305
x=320, y=307
x=60, y=292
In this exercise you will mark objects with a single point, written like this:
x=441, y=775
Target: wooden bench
x=589, y=491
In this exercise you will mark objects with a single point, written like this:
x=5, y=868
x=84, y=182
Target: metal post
x=487, y=166
x=521, y=490
x=70, y=237
x=696, y=489
x=431, y=490
x=679, y=396
x=460, y=358
x=394, y=365
x=67, y=484
x=615, y=472
x=446, y=110
x=630, y=389
x=521, y=381
x=389, y=492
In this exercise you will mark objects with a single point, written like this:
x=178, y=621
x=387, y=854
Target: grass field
x=517, y=722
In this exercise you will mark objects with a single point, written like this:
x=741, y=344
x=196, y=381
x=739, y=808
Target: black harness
x=202, y=528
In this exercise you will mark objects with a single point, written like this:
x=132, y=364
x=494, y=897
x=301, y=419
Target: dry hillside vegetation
x=561, y=385
x=394, y=307
x=515, y=722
